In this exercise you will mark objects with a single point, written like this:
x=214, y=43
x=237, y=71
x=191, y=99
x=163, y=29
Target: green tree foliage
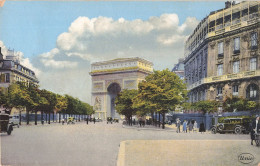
x=124, y=103
x=163, y=90
x=232, y=104
x=206, y=106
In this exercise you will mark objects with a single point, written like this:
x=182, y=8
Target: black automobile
x=5, y=125
x=109, y=120
x=234, y=125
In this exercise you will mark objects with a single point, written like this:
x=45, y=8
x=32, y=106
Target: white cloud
x=58, y=64
x=66, y=67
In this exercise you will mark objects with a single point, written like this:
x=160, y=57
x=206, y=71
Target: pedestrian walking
x=140, y=122
x=178, y=125
x=134, y=121
x=62, y=121
x=94, y=120
x=202, y=128
x=184, y=126
x=190, y=126
x=255, y=127
x=87, y=120
x=195, y=126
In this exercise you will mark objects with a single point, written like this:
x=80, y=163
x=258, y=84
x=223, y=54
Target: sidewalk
x=185, y=153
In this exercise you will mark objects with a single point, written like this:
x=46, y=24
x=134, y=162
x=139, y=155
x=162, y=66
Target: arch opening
x=113, y=90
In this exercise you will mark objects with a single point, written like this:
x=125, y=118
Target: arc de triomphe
x=110, y=77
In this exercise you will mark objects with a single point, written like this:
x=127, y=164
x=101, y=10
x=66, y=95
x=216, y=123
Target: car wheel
x=213, y=130
x=221, y=127
x=238, y=130
x=9, y=131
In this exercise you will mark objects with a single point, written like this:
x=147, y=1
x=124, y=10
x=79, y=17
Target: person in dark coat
x=202, y=128
x=255, y=127
x=94, y=120
x=87, y=120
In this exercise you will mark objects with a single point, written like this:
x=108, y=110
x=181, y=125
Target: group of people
x=192, y=127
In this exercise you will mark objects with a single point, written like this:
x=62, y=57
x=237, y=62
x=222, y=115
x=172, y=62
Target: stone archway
x=113, y=90
x=110, y=77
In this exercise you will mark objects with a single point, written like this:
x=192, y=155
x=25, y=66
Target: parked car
x=116, y=120
x=71, y=120
x=14, y=120
x=98, y=120
x=5, y=126
x=109, y=120
x=235, y=125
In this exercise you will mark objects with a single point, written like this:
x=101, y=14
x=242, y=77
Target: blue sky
x=59, y=40
x=33, y=27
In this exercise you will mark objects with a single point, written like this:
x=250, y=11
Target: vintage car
x=14, y=120
x=5, y=126
x=109, y=120
x=116, y=120
x=234, y=125
x=71, y=120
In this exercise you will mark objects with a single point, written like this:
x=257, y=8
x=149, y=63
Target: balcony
x=241, y=75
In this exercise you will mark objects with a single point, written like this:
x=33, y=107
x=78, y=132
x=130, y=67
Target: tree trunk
x=27, y=116
x=159, y=120
x=163, y=125
x=20, y=117
x=49, y=121
x=59, y=117
x=35, y=118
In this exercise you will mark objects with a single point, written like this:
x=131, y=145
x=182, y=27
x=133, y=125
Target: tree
x=206, y=106
x=164, y=90
x=61, y=104
x=52, y=100
x=124, y=103
x=232, y=104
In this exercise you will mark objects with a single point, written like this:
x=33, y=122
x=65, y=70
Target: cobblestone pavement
x=86, y=145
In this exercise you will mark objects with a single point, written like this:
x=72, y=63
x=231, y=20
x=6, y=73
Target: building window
x=236, y=67
x=254, y=38
x=220, y=50
x=219, y=91
x=220, y=69
x=235, y=90
x=237, y=45
x=252, y=92
x=252, y=64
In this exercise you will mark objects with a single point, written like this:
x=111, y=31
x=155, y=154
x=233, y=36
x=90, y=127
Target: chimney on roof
x=227, y=4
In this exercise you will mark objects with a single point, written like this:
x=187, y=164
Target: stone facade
x=11, y=71
x=225, y=61
x=110, y=77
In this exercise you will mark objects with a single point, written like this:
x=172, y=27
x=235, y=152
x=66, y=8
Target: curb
x=121, y=154
x=154, y=129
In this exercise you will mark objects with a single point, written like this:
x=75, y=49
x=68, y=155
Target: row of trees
x=159, y=93
x=33, y=99
x=229, y=104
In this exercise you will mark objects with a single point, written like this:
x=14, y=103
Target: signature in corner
x=246, y=158
x=2, y=3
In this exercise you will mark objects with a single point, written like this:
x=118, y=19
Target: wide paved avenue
x=82, y=144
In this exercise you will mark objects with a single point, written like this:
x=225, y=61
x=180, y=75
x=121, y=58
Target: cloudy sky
x=59, y=40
